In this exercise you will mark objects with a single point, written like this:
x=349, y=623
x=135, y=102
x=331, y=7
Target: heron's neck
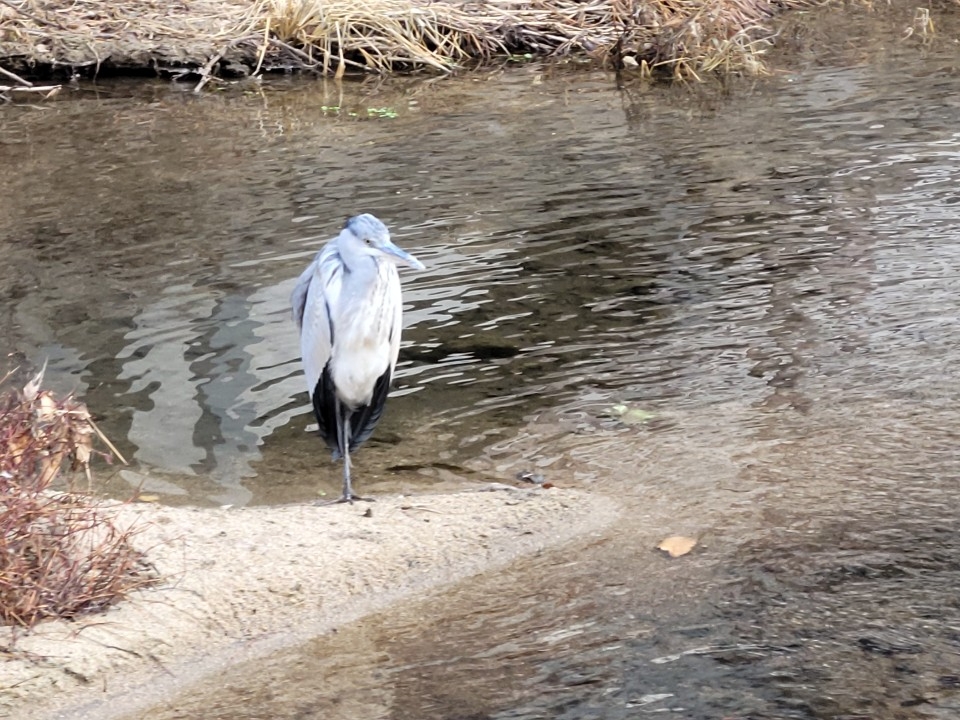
x=361, y=270
x=354, y=259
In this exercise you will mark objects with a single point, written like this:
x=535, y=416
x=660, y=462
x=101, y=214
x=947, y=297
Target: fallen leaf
x=530, y=477
x=148, y=498
x=631, y=415
x=677, y=545
x=636, y=416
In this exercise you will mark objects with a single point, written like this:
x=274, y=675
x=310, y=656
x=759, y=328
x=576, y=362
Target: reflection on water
x=771, y=271
x=155, y=279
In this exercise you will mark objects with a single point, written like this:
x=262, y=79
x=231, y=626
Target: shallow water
x=770, y=269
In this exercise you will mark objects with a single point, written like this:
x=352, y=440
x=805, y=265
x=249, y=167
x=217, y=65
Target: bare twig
x=35, y=18
x=296, y=51
x=15, y=77
x=106, y=441
x=42, y=89
x=263, y=49
x=206, y=70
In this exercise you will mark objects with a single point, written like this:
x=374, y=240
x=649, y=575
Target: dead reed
x=60, y=554
x=206, y=37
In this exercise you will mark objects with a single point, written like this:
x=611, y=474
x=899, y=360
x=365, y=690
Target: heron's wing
x=327, y=263
x=298, y=298
x=313, y=300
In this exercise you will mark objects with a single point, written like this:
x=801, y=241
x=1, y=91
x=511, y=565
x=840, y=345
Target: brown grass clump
x=202, y=37
x=60, y=555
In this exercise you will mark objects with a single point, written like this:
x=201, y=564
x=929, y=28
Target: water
x=155, y=278
x=769, y=268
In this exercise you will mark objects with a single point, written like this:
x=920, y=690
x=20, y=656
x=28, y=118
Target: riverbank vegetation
x=60, y=554
x=207, y=38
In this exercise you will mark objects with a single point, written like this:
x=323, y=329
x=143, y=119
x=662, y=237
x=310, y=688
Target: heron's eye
x=368, y=241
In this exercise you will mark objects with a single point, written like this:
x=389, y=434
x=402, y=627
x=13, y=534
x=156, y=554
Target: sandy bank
x=239, y=583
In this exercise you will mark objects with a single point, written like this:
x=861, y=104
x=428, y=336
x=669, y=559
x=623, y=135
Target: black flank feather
x=325, y=409
x=363, y=420
x=366, y=417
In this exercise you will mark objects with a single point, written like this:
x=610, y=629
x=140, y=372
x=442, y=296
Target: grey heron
x=348, y=307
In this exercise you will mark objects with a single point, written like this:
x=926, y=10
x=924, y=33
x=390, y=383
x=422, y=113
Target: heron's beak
x=403, y=257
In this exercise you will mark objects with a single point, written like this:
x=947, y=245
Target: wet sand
x=240, y=583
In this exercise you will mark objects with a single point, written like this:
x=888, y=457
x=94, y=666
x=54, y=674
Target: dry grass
x=683, y=37
x=60, y=556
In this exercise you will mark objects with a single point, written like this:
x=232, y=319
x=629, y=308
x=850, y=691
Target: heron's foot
x=345, y=499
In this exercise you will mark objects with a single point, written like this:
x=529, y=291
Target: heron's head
x=365, y=235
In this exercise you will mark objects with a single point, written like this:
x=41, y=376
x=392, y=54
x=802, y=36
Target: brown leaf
x=32, y=388
x=677, y=545
x=48, y=407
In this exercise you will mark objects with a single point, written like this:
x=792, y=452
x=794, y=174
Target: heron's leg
x=348, y=494
x=345, y=446
x=343, y=438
